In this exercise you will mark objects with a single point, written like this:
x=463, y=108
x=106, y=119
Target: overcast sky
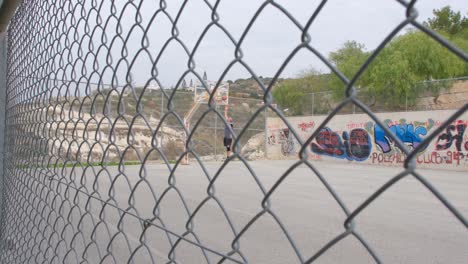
x=272, y=37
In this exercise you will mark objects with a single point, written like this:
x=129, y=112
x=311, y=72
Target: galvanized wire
x=58, y=114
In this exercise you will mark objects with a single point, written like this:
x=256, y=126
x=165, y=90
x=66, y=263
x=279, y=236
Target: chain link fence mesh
x=322, y=103
x=73, y=111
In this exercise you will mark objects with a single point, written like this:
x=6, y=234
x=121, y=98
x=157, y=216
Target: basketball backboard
x=221, y=97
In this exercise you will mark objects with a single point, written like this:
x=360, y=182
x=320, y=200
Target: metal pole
x=3, y=73
x=216, y=135
x=406, y=102
x=265, y=128
x=313, y=101
x=160, y=118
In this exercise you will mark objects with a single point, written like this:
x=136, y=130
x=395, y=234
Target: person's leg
x=228, y=151
x=227, y=144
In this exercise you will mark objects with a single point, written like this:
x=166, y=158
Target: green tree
x=348, y=59
x=406, y=62
x=291, y=93
x=447, y=21
x=451, y=25
x=394, y=77
x=288, y=96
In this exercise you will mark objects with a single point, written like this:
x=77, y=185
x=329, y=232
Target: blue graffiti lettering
x=404, y=132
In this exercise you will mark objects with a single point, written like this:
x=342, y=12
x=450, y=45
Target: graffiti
x=450, y=157
x=328, y=143
x=304, y=126
x=352, y=125
x=277, y=136
x=406, y=133
x=355, y=146
x=287, y=146
x=351, y=138
x=430, y=158
x=272, y=139
x=445, y=140
x=285, y=139
x=383, y=158
x=313, y=156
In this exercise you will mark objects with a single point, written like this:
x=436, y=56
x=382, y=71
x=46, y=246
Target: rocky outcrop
x=453, y=98
x=255, y=147
x=88, y=141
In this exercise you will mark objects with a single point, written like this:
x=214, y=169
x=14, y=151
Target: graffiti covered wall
x=357, y=138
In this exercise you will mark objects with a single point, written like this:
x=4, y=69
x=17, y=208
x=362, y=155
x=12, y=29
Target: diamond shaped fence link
x=67, y=94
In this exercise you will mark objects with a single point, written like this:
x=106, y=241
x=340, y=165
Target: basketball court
x=407, y=218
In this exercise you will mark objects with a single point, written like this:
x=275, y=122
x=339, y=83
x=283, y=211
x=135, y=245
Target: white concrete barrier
x=357, y=138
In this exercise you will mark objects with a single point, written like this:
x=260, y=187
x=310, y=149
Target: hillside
x=96, y=118
x=248, y=88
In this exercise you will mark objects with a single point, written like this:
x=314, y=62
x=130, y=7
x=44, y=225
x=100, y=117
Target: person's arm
x=226, y=108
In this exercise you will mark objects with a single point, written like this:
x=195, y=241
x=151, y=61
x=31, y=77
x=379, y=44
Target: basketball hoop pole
x=187, y=119
x=188, y=116
x=185, y=161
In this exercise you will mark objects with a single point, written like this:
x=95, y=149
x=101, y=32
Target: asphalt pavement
x=146, y=212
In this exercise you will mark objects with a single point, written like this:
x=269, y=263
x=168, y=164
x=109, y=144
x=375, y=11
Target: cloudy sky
x=270, y=40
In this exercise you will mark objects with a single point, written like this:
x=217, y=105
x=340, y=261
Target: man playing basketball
x=228, y=132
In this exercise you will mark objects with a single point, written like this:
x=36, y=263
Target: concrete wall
x=356, y=138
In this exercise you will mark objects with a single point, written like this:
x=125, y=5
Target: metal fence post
x=265, y=128
x=3, y=69
x=406, y=102
x=160, y=118
x=216, y=135
x=313, y=101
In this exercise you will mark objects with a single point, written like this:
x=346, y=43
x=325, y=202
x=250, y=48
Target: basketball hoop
x=221, y=97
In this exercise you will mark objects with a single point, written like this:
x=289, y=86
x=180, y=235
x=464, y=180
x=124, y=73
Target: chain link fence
x=323, y=103
x=76, y=121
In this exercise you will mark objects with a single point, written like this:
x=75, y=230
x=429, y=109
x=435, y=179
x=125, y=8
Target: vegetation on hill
x=248, y=88
x=397, y=75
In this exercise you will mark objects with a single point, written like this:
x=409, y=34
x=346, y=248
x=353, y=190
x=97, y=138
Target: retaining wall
x=356, y=138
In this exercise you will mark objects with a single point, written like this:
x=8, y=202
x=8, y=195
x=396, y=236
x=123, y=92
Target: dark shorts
x=227, y=143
